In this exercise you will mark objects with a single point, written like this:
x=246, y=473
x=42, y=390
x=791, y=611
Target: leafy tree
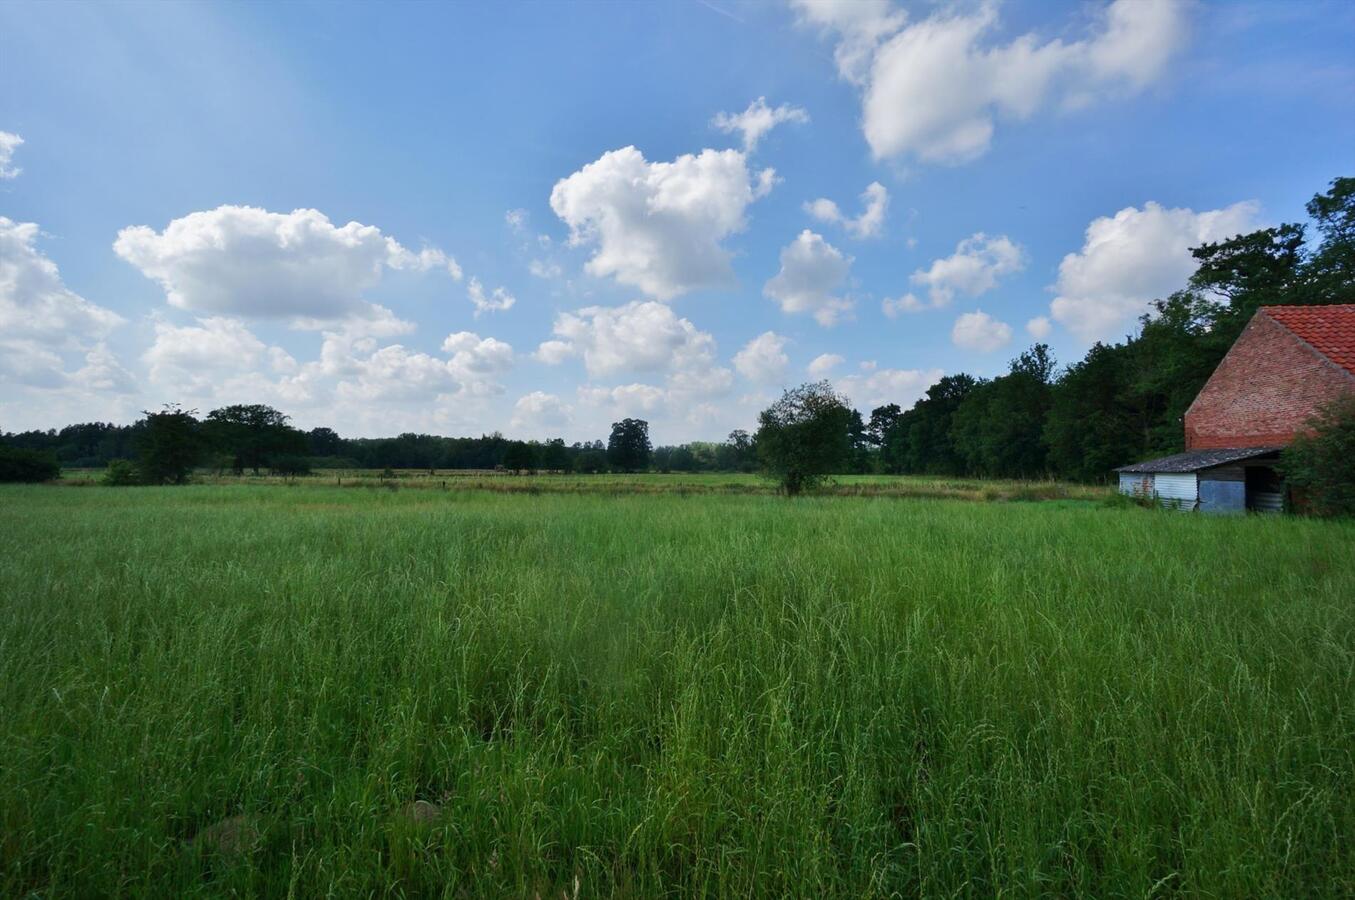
x=324, y=442
x=999, y=427
x=628, y=448
x=1330, y=271
x=591, y=461
x=518, y=457
x=682, y=459
x=1093, y=423
x=254, y=434
x=170, y=445
x=555, y=457
x=805, y=436
x=1319, y=464
x=921, y=440
x=18, y=465
x=738, y=453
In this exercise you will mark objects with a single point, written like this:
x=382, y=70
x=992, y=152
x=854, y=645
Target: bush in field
x=805, y=436
x=121, y=473
x=29, y=466
x=290, y=464
x=1322, y=464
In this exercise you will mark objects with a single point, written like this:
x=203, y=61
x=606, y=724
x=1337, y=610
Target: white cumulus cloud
x=540, y=409
x=973, y=269
x=659, y=226
x=823, y=364
x=757, y=120
x=497, y=300
x=641, y=336
x=884, y=386
x=1134, y=257
x=246, y=261
x=35, y=302
x=812, y=273
x=981, y=332
x=935, y=89
x=874, y=202
x=763, y=359
x=1039, y=327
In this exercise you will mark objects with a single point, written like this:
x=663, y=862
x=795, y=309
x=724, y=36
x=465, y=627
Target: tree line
x=1120, y=403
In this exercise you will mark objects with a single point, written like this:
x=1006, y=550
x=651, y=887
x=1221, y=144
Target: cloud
x=658, y=226
x=812, y=270
x=757, y=120
x=45, y=327
x=973, y=269
x=545, y=269
x=35, y=303
x=1134, y=257
x=642, y=336
x=883, y=386
x=497, y=301
x=874, y=200
x=935, y=89
x=8, y=144
x=763, y=359
x=823, y=364
x=980, y=332
x=473, y=355
x=1039, y=327
x=246, y=261
x=193, y=357
x=540, y=409
x=516, y=219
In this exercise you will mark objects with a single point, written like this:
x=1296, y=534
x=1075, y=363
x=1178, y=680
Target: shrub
x=27, y=466
x=121, y=473
x=291, y=465
x=1319, y=464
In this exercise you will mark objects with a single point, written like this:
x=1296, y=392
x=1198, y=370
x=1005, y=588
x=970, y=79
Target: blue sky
x=549, y=230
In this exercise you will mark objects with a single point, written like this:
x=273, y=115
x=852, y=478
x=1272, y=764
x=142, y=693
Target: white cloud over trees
x=659, y=226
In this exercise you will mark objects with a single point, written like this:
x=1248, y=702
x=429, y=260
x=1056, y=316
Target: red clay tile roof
x=1329, y=329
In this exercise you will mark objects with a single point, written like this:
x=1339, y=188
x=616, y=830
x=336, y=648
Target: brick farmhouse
x=1286, y=365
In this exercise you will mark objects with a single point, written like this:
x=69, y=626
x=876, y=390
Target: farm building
x=1288, y=362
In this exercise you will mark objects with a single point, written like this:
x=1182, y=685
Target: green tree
x=921, y=440
x=27, y=466
x=628, y=447
x=1093, y=424
x=999, y=427
x=805, y=436
x=518, y=456
x=170, y=444
x=1330, y=272
x=555, y=456
x=253, y=434
x=1319, y=465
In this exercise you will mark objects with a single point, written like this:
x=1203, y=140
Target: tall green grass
x=669, y=695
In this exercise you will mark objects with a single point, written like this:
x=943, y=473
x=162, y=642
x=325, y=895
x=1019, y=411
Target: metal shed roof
x=1195, y=460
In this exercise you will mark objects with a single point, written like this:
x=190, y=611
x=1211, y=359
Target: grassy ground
x=668, y=694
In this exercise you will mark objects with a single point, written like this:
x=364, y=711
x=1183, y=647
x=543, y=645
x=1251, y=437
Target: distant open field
x=935, y=487
x=234, y=688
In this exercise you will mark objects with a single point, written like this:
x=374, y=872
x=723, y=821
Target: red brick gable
x=1330, y=330
x=1269, y=384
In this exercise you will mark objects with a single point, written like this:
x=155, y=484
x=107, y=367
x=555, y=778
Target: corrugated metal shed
x=1179, y=490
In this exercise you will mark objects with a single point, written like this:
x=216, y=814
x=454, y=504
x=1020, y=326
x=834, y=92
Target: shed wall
x=1136, y=484
x=1177, y=489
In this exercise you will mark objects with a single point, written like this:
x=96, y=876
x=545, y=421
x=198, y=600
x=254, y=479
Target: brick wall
x=1263, y=391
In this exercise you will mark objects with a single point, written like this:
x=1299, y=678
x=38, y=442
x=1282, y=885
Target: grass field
x=668, y=693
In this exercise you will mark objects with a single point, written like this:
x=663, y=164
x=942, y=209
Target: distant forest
x=1120, y=403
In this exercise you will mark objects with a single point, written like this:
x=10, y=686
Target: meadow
x=269, y=690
